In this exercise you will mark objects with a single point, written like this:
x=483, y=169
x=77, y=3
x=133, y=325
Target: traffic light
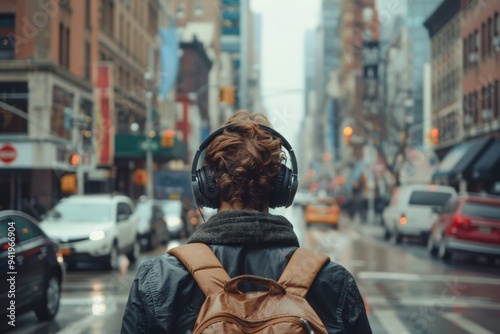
x=348, y=134
x=74, y=159
x=227, y=95
x=68, y=184
x=167, y=140
x=434, y=136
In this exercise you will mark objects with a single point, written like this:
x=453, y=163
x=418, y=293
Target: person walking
x=243, y=177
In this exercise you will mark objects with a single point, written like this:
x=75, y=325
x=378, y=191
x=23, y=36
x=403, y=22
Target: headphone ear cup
x=208, y=188
x=280, y=193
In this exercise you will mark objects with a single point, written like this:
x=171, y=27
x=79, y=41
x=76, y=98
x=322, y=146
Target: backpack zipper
x=308, y=327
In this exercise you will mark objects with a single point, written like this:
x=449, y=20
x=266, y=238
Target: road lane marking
x=430, y=301
x=466, y=324
x=382, y=275
x=86, y=300
x=391, y=322
x=379, y=275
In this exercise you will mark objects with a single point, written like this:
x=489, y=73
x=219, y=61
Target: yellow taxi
x=322, y=211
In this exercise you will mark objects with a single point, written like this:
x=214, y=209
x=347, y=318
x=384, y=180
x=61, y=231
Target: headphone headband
x=218, y=132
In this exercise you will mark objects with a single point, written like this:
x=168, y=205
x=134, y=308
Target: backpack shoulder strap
x=203, y=265
x=301, y=270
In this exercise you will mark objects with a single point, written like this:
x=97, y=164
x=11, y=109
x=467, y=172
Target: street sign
x=153, y=145
x=8, y=154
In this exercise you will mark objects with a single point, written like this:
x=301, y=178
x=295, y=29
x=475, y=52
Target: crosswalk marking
x=390, y=321
x=385, y=275
x=466, y=324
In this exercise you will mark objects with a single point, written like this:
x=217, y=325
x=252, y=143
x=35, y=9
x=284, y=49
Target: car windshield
x=481, y=210
x=429, y=198
x=80, y=212
x=323, y=202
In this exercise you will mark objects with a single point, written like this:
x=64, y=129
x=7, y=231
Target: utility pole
x=243, y=89
x=149, y=150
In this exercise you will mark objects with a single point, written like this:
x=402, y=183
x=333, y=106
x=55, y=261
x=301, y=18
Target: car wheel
x=135, y=253
x=49, y=304
x=431, y=247
x=444, y=252
x=112, y=258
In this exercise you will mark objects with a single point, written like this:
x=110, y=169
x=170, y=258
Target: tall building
x=444, y=26
x=48, y=48
x=406, y=33
x=472, y=161
x=73, y=79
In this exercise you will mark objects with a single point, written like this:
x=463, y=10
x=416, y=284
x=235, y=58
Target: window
x=483, y=37
x=475, y=100
x=14, y=91
x=124, y=209
x=490, y=34
x=496, y=25
x=107, y=17
x=198, y=8
x=87, y=13
x=121, y=32
x=25, y=230
x=87, y=61
x=481, y=210
x=67, y=50
x=61, y=44
x=476, y=41
x=7, y=36
x=429, y=198
x=465, y=53
x=180, y=10
x=79, y=212
x=496, y=102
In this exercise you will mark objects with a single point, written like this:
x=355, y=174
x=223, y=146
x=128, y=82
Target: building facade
x=444, y=26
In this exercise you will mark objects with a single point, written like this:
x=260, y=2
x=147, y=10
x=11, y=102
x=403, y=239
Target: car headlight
x=174, y=221
x=96, y=235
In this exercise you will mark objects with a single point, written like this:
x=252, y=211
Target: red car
x=469, y=224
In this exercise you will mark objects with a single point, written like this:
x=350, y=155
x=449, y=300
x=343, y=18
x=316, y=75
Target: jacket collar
x=245, y=227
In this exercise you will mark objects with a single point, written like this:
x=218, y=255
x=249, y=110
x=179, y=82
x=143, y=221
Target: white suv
x=94, y=228
x=411, y=210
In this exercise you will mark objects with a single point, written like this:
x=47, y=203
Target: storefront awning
x=487, y=168
x=458, y=163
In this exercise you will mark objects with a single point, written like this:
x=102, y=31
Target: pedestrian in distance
x=244, y=262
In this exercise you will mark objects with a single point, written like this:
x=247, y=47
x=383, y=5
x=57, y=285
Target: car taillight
x=458, y=222
x=403, y=220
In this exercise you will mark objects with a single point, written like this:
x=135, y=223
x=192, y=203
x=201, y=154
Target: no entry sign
x=8, y=154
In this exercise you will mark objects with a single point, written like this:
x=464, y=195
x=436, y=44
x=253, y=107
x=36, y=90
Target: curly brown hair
x=245, y=161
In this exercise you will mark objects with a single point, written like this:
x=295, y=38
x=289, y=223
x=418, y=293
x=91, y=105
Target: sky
x=284, y=23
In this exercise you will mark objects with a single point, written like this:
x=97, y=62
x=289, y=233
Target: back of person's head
x=245, y=161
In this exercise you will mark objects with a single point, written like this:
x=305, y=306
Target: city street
x=405, y=290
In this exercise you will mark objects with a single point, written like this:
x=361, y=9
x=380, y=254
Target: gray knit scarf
x=245, y=227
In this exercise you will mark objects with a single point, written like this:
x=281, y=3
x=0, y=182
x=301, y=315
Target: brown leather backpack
x=282, y=308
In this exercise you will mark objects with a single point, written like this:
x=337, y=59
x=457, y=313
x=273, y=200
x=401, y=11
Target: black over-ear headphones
x=205, y=188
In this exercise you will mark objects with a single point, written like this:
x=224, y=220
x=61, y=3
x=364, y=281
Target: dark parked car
x=152, y=227
x=36, y=268
x=467, y=224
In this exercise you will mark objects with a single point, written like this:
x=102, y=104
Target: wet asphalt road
x=405, y=290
